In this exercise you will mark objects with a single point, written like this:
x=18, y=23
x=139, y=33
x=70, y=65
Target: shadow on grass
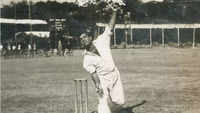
x=129, y=109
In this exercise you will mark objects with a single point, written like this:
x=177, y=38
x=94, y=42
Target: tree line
x=152, y=12
x=77, y=17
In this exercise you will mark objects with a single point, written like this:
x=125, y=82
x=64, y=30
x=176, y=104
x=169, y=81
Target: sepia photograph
x=100, y=56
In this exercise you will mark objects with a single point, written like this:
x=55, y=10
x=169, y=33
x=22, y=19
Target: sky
x=7, y=2
x=81, y=2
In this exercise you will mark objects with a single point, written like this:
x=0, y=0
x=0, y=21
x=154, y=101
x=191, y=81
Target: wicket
x=81, y=95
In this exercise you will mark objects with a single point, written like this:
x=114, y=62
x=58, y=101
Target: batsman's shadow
x=129, y=109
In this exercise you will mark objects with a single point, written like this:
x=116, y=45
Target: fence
x=150, y=27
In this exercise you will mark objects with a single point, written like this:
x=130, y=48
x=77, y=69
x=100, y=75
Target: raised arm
x=111, y=24
x=113, y=19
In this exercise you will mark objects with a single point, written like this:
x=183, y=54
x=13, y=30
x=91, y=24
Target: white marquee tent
x=21, y=21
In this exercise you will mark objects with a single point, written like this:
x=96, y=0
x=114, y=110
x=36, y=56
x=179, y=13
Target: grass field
x=167, y=79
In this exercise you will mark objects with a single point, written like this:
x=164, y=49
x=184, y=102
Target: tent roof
x=41, y=34
x=152, y=26
x=22, y=21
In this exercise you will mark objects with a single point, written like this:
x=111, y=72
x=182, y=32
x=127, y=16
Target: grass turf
x=167, y=79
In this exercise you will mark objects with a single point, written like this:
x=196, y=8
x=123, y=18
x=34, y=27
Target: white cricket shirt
x=104, y=63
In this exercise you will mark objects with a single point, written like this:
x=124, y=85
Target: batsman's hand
x=99, y=90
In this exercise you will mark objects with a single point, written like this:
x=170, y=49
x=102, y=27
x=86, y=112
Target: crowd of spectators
x=13, y=49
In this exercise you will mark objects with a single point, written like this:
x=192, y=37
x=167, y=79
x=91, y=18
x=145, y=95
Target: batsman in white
x=98, y=61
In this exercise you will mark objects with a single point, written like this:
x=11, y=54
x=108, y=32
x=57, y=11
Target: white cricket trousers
x=113, y=97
